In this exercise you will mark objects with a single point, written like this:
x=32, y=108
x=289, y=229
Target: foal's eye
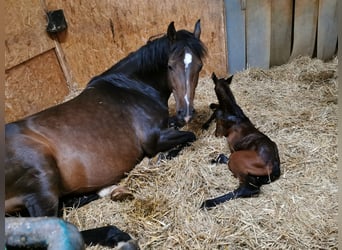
x=170, y=67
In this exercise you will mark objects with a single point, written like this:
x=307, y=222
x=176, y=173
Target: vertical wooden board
x=281, y=31
x=305, y=25
x=327, y=29
x=102, y=32
x=34, y=85
x=25, y=35
x=258, y=33
x=235, y=29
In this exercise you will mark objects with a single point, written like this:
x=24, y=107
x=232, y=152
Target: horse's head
x=228, y=113
x=184, y=66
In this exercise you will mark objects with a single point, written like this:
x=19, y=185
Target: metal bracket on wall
x=56, y=21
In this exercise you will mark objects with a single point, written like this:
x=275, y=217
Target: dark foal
x=254, y=158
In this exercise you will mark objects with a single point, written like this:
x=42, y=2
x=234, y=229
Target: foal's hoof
x=221, y=159
x=208, y=204
x=121, y=193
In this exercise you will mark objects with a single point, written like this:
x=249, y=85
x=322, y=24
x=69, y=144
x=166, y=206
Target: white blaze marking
x=187, y=61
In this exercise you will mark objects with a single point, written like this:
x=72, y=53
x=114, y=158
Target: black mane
x=153, y=56
x=122, y=81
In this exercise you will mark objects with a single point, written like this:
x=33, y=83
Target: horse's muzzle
x=184, y=116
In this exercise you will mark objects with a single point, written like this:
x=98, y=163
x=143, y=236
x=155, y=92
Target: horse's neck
x=158, y=79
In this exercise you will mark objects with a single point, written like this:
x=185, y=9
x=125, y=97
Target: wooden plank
x=258, y=33
x=25, y=35
x=34, y=85
x=102, y=32
x=327, y=29
x=281, y=31
x=305, y=25
x=236, y=39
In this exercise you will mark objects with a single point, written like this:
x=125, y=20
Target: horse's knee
x=42, y=204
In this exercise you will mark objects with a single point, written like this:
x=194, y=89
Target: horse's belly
x=89, y=174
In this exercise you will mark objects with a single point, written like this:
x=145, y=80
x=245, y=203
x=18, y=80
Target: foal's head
x=184, y=66
x=228, y=113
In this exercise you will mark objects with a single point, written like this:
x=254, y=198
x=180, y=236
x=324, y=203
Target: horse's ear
x=197, y=30
x=171, y=32
x=229, y=79
x=214, y=77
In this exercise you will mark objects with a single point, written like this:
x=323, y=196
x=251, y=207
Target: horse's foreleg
x=174, y=141
x=243, y=191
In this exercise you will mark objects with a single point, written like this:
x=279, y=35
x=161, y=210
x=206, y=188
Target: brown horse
x=254, y=158
x=93, y=140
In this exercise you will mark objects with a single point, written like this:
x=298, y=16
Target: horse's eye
x=170, y=67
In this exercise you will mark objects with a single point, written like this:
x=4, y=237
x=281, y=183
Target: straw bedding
x=296, y=106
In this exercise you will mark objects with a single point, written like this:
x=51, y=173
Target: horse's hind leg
x=37, y=182
x=110, y=236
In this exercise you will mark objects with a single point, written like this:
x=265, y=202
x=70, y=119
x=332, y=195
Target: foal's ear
x=197, y=30
x=171, y=32
x=229, y=80
x=214, y=77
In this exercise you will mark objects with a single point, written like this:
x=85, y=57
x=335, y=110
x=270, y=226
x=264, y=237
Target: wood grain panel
x=281, y=31
x=305, y=26
x=34, y=85
x=327, y=29
x=102, y=32
x=25, y=35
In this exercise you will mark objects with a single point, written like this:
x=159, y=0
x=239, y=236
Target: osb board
x=102, y=32
x=34, y=85
x=25, y=35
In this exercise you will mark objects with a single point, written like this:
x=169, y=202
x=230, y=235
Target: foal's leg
x=243, y=191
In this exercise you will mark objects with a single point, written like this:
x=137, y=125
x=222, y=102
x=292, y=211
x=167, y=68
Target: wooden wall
x=265, y=33
x=41, y=70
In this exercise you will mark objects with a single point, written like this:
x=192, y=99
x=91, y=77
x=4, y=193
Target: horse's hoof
x=222, y=159
x=205, y=126
x=121, y=193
